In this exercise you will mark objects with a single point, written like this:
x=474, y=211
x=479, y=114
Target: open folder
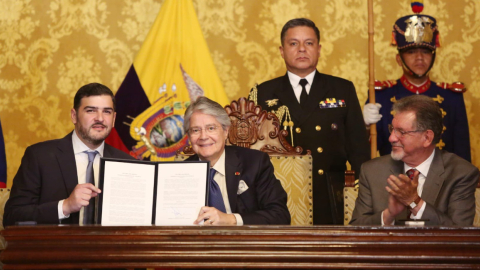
x=138, y=192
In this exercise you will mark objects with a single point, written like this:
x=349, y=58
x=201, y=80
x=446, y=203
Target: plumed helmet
x=416, y=30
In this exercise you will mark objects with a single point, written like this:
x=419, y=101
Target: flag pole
x=371, y=83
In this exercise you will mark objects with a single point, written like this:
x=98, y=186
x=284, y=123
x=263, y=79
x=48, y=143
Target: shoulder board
x=457, y=87
x=380, y=85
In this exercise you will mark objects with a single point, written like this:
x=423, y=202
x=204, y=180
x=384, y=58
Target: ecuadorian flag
x=172, y=68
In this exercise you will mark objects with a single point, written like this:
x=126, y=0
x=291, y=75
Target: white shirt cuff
x=393, y=222
x=239, y=219
x=60, y=211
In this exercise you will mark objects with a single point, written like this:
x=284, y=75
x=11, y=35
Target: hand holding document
x=212, y=216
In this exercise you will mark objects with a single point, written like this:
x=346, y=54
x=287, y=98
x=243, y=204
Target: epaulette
x=380, y=85
x=457, y=87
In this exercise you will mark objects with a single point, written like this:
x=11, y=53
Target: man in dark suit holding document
x=56, y=179
x=243, y=188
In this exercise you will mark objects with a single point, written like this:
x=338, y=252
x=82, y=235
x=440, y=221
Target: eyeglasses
x=400, y=133
x=196, y=131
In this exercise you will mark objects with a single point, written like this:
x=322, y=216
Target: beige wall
x=48, y=48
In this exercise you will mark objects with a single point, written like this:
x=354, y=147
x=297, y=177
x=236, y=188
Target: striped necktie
x=89, y=211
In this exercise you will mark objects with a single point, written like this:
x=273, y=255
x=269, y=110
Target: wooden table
x=54, y=247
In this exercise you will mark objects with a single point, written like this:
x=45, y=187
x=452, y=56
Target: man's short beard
x=91, y=140
x=83, y=133
x=397, y=156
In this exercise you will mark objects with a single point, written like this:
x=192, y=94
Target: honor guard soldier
x=417, y=38
x=321, y=113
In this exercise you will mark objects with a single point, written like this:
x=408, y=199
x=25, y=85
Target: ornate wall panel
x=49, y=48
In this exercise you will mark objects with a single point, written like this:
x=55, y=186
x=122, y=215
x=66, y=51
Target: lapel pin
x=237, y=173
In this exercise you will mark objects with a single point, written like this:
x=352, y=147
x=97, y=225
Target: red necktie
x=410, y=173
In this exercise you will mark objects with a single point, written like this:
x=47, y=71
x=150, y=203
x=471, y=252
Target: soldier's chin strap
x=415, y=74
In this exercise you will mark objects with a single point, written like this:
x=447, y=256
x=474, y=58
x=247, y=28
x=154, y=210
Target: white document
x=181, y=192
x=127, y=193
x=133, y=194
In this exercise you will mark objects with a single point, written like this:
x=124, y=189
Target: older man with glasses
x=416, y=181
x=243, y=188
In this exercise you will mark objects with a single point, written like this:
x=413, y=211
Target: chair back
x=258, y=129
x=350, y=194
x=295, y=175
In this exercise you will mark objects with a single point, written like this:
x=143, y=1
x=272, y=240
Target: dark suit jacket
x=47, y=174
x=265, y=200
x=449, y=191
x=333, y=135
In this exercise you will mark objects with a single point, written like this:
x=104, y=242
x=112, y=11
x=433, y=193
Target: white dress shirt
x=222, y=183
x=295, y=82
x=81, y=160
x=423, y=170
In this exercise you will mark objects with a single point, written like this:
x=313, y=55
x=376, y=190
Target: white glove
x=371, y=113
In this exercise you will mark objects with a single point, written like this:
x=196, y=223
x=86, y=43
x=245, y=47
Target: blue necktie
x=89, y=211
x=215, y=198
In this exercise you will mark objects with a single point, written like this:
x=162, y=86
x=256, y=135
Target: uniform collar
x=295, y=79
x=413, y=88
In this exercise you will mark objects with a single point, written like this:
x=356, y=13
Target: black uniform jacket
x=331, y=126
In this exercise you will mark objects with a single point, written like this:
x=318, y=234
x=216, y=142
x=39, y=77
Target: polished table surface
x=341, y=247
